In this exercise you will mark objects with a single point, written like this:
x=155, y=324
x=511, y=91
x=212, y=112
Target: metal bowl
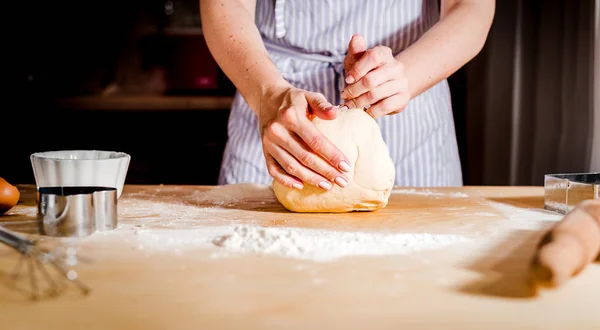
x=77, y=168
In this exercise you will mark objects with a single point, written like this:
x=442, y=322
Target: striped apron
x=307, y=40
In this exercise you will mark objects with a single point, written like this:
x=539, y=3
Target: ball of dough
x=371, y=180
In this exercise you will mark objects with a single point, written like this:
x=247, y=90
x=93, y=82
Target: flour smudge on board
x=202, y=221
x=298, y=243
x=324, y=245
x=427, y=192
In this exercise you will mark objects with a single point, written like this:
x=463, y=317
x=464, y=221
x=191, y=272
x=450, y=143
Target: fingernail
x=325, y=185
x=345, y=166
x=349, y=79
x=297, y=186
x=343, y=107
x=341, y=182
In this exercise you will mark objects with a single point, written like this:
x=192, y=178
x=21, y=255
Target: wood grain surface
x=148, y=281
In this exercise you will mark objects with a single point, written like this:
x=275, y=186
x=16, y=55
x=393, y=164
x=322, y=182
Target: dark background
x=69, y=49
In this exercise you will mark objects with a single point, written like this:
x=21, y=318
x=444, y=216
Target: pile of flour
x=323, y=245
x=203, y=221
x=297, y=243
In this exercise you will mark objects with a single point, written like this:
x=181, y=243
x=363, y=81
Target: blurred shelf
x=207, y=103
x=183, y=31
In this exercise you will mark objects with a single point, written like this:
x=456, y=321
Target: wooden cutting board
x=150, y=273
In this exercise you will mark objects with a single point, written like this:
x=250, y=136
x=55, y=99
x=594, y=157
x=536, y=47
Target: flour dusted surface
x=227, y=221
x=228, y=195
x=430, y=193
x=297, y=243
x=324, y=245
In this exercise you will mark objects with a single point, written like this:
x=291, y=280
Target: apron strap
x=280, y=18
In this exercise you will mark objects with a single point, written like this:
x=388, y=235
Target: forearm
x=236, y=45
x=449, y=44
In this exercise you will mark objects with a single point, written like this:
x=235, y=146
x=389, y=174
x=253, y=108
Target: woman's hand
x=296, y=152
x=375, y=79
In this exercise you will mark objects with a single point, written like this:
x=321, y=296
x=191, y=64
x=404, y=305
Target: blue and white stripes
x=307, y=40
x=280, y=18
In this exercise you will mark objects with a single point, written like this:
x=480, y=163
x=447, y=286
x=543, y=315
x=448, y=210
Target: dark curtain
x=529, y=105
x=596, y=144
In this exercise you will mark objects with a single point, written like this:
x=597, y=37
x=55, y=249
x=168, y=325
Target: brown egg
x=9, y=196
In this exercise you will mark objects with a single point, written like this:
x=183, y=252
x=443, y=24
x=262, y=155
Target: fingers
x=298, y=151
x=316, y=141
x=356, y=48
x=298, y=160
x=320, y=107
x=301, y=152
x=390, y=105
x=373, y=79
x=321, y=145
x=293, y=169
x=371, y=59
x=279, y=175
x=373, y=96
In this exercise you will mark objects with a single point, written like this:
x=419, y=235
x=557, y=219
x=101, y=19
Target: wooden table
x=141, y=279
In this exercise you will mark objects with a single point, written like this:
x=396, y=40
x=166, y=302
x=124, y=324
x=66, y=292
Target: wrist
x=270, y=98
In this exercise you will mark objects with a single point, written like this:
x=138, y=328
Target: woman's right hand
x=295, y=151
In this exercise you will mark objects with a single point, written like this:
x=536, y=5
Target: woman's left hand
x=375, y=78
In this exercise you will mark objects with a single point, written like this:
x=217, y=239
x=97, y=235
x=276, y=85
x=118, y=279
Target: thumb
x=320, y=107
x=356, y=49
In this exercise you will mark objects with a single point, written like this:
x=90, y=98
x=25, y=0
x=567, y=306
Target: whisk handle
x=9, y=238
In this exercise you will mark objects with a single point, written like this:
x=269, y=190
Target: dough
x=371, y=180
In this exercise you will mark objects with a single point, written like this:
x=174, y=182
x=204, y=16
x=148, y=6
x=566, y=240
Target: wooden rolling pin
x=570, y=246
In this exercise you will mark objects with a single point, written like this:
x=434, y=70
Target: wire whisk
x=33, y=264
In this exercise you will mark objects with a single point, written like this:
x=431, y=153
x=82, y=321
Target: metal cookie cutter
x=562, y=192
x=76, y=210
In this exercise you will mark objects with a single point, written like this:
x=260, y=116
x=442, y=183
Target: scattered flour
x=486, y=214
x=460, y=208
x=227, y=195
x=173, y=214
x=526, y=218
x=297, y=243
x=427, y=192
x=322, y=245
x=520, y=214
x=562, y=207
x=196, y=222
